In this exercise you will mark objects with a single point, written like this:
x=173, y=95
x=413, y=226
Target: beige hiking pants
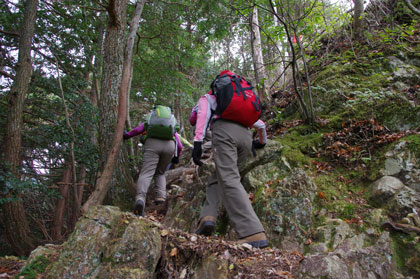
x=232, y=144
x=156, y=157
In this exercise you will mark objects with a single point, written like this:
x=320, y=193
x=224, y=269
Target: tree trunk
x=104, y=180
x=61, y=203
x=16, y=225
x=257, y=57
x=112, y=63
x=357, y=18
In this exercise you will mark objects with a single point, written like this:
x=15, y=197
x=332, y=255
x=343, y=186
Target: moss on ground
x=32, y=270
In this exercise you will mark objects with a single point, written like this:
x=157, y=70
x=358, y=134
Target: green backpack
x=161, y=124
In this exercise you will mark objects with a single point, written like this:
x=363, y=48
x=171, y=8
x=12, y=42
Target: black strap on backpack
x=238, y=87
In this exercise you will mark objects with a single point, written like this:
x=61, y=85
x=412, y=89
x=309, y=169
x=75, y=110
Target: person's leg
x=213, y=199
x=150, y=161
x=228, y=139
x=210, y=210
x=167, y=149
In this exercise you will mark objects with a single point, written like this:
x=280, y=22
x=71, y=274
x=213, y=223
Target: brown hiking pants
x=156, y=157
x=232, y=144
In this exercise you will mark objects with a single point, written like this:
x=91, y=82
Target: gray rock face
x=350, y=255
x=108, y=243
x=385, y=188
x=288, y=214
x=402, y=71
x=402, y=163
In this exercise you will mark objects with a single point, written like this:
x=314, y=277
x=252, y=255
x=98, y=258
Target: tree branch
x=6, y=74
x=411, y=7
x=10, y=33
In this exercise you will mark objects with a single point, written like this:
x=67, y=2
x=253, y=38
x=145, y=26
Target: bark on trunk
x=104, y=180
x=16, y=225
x=61, y=203
x=357, y=18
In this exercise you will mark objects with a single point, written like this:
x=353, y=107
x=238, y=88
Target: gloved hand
x=196, y=154
x=125, y=135
x=175, y=160
x=257, y=145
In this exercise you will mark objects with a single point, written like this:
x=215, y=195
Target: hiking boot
x=206, y=226
x=258, y=240
x=159, y=201
x=139, y=207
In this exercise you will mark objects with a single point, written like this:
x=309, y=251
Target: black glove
x=125, y=135
x=196, y=154
x=257, y=145
x=175, y=160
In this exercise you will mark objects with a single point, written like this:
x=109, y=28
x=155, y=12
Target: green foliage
x=406, y=253
x=11, y=187
x=413, y=144
x=32, y=270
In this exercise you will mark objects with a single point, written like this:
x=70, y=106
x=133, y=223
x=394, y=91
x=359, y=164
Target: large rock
x=108, y=243
x=405, y=202
x=347, y=254
x=287, y=213
x=402, y=162
x=385, y=188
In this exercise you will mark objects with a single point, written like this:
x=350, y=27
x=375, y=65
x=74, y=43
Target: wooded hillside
x=339, y=83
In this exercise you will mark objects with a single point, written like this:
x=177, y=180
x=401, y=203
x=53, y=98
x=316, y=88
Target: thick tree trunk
x=257, y=57
x=104, y=180
x=112, y=64
x=14, y=219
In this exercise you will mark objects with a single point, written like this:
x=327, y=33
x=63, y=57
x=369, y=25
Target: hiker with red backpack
x=231, y=107
x=162, y=145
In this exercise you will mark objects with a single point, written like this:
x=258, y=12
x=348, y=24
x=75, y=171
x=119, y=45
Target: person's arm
x=135, y=132
x=261, y=131
x=203, y=119
x=179, y=147
x=193, y=115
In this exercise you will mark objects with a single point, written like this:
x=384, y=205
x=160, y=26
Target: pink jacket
x=204, y=114
x=140, y=130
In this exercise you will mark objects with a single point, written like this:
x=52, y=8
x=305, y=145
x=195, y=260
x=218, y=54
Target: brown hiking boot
x=206, y=226
x=258, y=240
x=159, y=201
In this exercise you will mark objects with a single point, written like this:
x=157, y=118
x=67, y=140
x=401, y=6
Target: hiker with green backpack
x=162, y=146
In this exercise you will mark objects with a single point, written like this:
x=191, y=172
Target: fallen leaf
x=173, y=252
x=164, y=233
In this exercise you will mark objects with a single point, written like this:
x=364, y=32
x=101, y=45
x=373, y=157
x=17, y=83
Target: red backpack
x=235, y=99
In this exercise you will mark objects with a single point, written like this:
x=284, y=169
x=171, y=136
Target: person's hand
x=257, y=145
x=175, y=160
x=125, y=135
x=196, y=154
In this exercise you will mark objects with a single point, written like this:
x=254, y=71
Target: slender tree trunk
x=357, y=18
x=308, y=80
x=294, y=65
x=257, y=57
x=14, y=219
x=104, y=180
x=60, y=207
x=128, y=120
